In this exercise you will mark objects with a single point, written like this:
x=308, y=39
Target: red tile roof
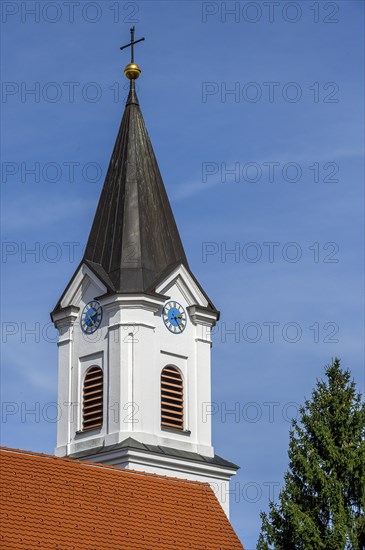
x=64, y=504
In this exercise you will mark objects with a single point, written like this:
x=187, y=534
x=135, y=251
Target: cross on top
x=131, y=44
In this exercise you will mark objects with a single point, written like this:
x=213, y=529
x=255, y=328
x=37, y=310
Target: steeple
x=135, y=329
x=134, y=238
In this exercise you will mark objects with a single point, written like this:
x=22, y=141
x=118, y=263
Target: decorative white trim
x=174, y=354
x=82, y=289
x=66, y=316
x=133, y=301
x=84, y=364
x=204, y=341
x=185, y=283
x=74, y=292
x=131, y=324
x=124, y=457
x=202, y=316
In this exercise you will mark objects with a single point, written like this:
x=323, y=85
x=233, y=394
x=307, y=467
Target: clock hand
x=89, y=316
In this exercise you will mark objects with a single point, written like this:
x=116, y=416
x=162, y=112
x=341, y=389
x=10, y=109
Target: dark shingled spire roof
x=134, y=241
x=134, y=238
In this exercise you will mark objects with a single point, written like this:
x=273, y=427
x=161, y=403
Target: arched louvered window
x=92, y=399
x=172, y=398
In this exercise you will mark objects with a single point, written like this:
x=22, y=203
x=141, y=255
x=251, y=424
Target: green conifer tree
x=322, y=504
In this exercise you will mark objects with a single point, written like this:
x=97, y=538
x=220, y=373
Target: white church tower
x=134, y=330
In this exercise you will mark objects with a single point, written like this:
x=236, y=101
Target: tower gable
x=183, y=280
x=84, y=285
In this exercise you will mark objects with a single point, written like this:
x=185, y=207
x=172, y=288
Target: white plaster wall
x=132, y=346
x=77, y=353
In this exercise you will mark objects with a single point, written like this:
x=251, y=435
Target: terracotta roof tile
x=63, y=504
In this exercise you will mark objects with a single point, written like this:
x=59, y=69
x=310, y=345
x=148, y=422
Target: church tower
x=134, y=327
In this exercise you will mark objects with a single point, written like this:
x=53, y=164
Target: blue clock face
x=174, y=317
x=91, y=317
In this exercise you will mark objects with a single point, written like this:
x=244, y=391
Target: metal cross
x=131, y=44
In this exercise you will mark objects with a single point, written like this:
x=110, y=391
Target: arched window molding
x=92, y=399
x=172, y=398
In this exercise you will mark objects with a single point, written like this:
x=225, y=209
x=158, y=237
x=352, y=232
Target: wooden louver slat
x=92, y=409
x=97, y=377
x=176, y=405
x=172, y=408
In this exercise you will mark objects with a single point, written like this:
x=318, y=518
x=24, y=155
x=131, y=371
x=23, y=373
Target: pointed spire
x=132, y=96
x=134, y=238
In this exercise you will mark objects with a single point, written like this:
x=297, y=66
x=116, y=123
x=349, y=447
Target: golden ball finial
x=132, y=71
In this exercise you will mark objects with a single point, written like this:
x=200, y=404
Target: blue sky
x=292, y=132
